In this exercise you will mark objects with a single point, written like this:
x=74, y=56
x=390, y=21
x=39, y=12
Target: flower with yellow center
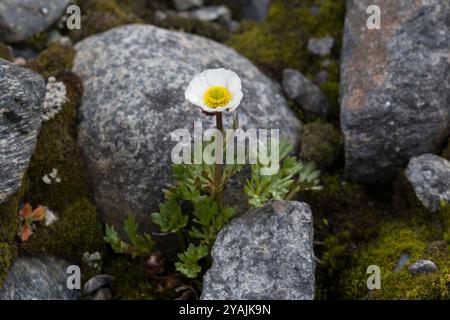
x=215, y=90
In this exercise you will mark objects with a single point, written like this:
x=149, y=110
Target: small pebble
x=422, y=266
x=102, y=294
x=20, y=61
x=97, y=282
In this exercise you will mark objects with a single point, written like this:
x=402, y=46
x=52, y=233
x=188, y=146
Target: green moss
x=5, y=52
x=102, y=15
x=320, y=142
x=9, y=227
x=38, y=41
x=52, y=60
x=131, y=280
x=7, y=255
x=77, y=230
x=397, y=238
x=281, y=40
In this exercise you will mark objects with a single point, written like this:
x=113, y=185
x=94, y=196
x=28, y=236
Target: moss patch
x=5, y=52
x=281, y=40
x=320, y=142
x=53, y=60
x=395, y=239
x=102, y=15
x=77, y=230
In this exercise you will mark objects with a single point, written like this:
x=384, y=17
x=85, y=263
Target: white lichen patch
x=55, y=97
x=50, y=217
x=52, y=177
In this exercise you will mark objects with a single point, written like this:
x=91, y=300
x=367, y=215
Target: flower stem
x=219, y=165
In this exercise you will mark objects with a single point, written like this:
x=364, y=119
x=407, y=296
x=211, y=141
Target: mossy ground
x=280, y=41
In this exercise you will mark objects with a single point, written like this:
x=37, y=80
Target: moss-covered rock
x=320, y=142
x=281, y=40
x=7, y=256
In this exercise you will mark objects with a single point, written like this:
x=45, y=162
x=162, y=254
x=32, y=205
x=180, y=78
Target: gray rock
x=37, y=278
x=305, y=93
x=22, y=94
x=182, y=5
x=102, y=294
x=321, y=46
x=429, y=175
x=404, y=258
x=134, y=82
x=395, y=85
x=212, y=13
x=96, y=283
x=21, y=19
x=423, y=266
x=265, y=254
x=250, y=9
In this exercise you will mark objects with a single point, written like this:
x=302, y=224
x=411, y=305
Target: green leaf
x=170, y=218
x=188, y=264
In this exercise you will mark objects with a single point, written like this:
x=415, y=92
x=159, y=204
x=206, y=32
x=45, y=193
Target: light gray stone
x=212, y=13
x=423, y=266
x=395, y=85
x=134, y=82
x=182, y=5
x=429, y=175
x=265, y=254
x=305, y=93
x=38, y=278
x=22, y=94
x=321, y=46
x=21, y=19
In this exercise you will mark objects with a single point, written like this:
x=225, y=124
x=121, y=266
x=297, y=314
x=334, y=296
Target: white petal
x=235, y=102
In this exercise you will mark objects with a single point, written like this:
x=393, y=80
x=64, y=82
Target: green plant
x=293, y=177
x=140, y=245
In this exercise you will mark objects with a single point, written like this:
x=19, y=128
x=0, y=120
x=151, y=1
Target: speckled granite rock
x=265, y=254
x=37, y=278
x=305, y=93
x=134, y=82
x=21, y=19
x=429, y=175
x=21, y=97
x=395, y=85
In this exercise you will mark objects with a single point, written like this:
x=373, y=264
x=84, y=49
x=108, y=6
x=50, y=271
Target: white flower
x=215, y=90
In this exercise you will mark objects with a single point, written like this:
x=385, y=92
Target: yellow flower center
x=216, y=97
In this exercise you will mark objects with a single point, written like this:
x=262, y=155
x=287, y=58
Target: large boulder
x=21, y=19
x=429, y=175
x=395, y=85
x=22, y=95
x=38, y=278
x=265, y=254
x=134, y=78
